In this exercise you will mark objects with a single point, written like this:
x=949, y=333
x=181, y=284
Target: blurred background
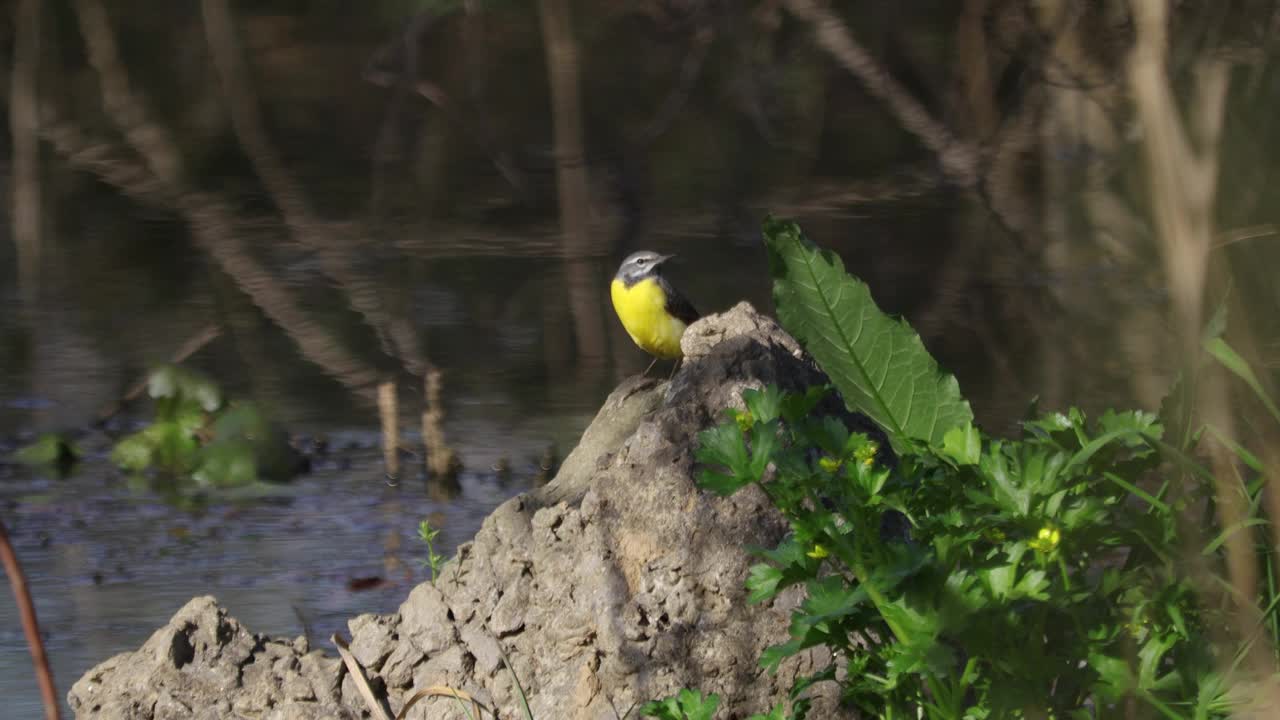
x=304, y=200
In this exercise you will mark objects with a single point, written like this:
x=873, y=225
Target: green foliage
x=877, y=362
x=1033, y=576
x=685, y=705
x=196, y=434
x=434, y=561
x=51, y=450
x=1037, y=576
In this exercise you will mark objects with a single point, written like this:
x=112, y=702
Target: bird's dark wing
x=677, y=305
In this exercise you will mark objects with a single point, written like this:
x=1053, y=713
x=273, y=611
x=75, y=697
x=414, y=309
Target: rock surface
x=617, y=583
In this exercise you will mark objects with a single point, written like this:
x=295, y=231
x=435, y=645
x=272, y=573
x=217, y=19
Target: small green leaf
x=133, y=452
x=724, y=445
x=763, y=582
x=764, y=405
x=1232, y=361
x=226, y=464
x=696, y=706
x=48, y=449
x=963, y=444
x=1115, y=679
x=685, y=705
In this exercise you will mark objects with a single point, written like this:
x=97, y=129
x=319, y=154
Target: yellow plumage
x=642, y=308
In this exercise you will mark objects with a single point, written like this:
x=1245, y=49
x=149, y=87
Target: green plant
x=51, y=450
x=196, y=434
x=434, y=560
x=685, y=705
x=1039, y=576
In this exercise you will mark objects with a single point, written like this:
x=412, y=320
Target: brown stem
x=441, y=460
x=388, y=418
x=30, y=626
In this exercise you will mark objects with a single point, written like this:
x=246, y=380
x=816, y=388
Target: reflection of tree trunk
x=237, y=87
x=958, y=159
x=1182, y=169
x=571, y=179
x=976, y=91
x=336, y=257
x=215, y=226
x=217, y=230
x=24, y=125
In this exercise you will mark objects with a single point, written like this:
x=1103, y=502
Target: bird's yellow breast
x=642, y=308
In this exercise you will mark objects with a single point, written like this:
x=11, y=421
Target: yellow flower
x=745, y=420
x=818, y=552
x=829, y=464
x=867, y=453
x=1047, y=539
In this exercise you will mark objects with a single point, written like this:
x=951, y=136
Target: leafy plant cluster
x=197, y=434
x=1040, y=576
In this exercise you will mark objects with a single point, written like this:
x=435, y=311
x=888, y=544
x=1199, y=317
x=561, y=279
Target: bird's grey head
x=639, y=266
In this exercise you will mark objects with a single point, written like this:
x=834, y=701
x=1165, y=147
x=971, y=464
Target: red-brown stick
x=29, y=625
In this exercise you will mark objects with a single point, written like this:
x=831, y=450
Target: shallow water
x=108, y=562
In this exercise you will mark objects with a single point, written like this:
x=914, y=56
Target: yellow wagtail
x=653, y=312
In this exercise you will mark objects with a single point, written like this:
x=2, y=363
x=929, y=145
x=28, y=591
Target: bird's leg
x=646, y=370
x=674, y=368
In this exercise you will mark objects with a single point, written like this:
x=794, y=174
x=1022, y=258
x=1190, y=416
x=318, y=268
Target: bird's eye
x=641, y=261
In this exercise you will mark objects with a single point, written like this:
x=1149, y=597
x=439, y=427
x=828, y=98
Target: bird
x=652, y=311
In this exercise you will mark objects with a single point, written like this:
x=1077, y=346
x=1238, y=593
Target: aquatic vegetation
x=198, y=435
x=51, y=450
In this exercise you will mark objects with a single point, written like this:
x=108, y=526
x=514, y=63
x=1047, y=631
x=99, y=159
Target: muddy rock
x=618, y=582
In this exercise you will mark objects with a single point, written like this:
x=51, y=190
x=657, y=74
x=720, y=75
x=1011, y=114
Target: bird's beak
x=663, y=258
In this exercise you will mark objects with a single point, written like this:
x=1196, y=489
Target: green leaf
x=796, y=406
x=764, y=405
x=1115, y=679
x=830, y=599
x=227, y=464
x=764, y=442
x=763, y=582
x=172, y=382
x=48, y=449
x=133, y=452
x=173, y=449
x=1223, y=536
x=696, y=706
x=685, y=705
x=963, y=445
x=1232, y=361
x=878, y=363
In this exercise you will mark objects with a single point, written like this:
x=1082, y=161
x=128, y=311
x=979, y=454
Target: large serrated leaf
x=878, y=362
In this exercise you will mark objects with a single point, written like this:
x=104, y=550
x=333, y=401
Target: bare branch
x=30, y=625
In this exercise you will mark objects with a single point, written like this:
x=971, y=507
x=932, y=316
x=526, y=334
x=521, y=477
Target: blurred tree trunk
x=24, y=125
x=585, y=292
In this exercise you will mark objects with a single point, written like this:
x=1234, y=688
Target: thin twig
x=30, y=625
x=193, y=345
